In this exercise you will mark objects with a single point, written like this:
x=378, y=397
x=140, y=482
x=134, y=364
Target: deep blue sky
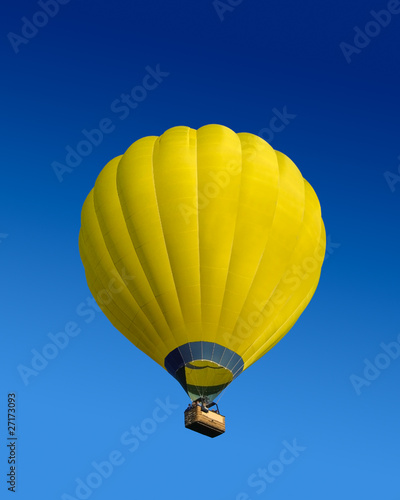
x=261, y=56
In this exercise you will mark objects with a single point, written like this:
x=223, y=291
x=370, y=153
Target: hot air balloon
x=203, y=247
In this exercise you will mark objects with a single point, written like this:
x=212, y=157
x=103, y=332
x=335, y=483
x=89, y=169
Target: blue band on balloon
x=207, y=351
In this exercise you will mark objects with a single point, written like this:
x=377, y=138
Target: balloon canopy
x=202, y=247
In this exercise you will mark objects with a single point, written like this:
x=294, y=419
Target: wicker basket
x=209, y=423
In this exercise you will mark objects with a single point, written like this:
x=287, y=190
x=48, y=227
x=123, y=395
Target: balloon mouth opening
x=204, y=369
x=203, y=379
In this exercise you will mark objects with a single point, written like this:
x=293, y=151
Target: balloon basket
x=207, y=422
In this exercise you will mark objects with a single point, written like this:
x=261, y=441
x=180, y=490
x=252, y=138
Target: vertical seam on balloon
x=232, y=245
x=199, y=242
x=167, y=350
x=166, y=250
x=306, y=300
x=198, y=234
x=261, y=256
x=230, y=256
x=98, y=275
x=312, y=287
x=198, y=226
x=134, y=249
x=140, y=345
x=301, y=227
x=198, y=246
x=140, y=309
x=198, y=239
x=288, y=263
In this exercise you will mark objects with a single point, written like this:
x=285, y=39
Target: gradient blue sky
x=235, y=71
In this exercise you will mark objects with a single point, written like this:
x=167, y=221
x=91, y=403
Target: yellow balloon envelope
x=202, y=248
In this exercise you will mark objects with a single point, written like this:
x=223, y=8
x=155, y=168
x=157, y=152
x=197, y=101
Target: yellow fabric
x=202, y=235
x=206, y=376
